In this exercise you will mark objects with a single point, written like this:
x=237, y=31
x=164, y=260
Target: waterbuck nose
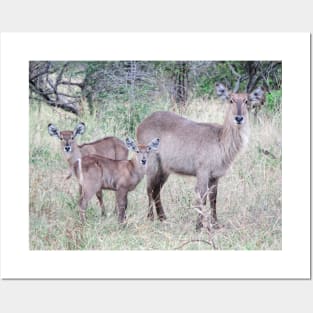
x=67, y=148
x=143, y=162
x=239, y=119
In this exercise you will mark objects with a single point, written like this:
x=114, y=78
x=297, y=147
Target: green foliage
x=204, y=87
x=127, y=116
x=40, y=154
x=223, y=72
x=88, y=86
x=273, y=100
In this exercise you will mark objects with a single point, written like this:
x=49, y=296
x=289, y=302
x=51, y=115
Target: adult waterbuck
x=203, y=150
x=256, y=98
x=95, y=173
x=110, y=147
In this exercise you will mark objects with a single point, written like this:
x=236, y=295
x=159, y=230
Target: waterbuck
x=203, y=150
x=110, y=147
x=95, y=173
x=256, y=98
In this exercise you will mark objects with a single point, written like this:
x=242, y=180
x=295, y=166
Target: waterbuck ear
x=53, y=131
x=258, y=94
x=154, y=144
x=130, y=143
x=221, y=91
x=79, y=129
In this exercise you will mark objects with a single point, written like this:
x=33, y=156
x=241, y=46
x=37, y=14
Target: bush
x=273, y=101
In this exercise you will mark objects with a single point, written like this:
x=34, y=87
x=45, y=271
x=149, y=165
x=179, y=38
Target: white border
x=16, y=259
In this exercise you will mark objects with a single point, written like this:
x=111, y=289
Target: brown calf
x=96, y=173
x=110, y=147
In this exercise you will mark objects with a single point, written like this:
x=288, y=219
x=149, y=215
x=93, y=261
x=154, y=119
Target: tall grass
x=248, y=203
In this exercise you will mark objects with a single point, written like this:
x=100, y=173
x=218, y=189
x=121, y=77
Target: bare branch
x=197, y=240
x=68, y=96
x=44, y=80
x=59, y=77
x=69, y=83
x=240, y=78
x=45, y=71
x=232, y=69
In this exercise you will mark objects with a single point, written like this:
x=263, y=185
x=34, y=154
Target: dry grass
x=248, y=204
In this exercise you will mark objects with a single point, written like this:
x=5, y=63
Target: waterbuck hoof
x=82, y=216
x=162, y=217
x=122, y=219
x=122, y=225
x=207, y=227
x=199, y=226
x=217, y=225
x=150, y=217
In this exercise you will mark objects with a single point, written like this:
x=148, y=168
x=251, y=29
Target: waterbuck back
x=204, y=150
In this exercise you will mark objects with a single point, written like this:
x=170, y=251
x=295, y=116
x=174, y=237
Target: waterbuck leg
x=122, y=204
x=85, y=196
x=82, y=208
x=201, y=190
x=151, y=173
x=213, y=182
x=150, y=210
x=100, y=198
x=82, y=205
x=156, y=178
x=156, y=186
x=116, y=204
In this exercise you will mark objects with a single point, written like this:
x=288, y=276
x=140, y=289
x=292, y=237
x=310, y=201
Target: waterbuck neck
x=233, y=138
x=74, y=155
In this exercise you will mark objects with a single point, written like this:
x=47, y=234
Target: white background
x=154, y=296
x=291, y=262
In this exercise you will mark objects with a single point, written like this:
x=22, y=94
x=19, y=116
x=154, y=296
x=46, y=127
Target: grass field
x=248, y=203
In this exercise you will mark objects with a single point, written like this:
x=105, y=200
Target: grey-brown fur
x=110, y=147
x=256, y=98
x=203, y=150
x=96, y=173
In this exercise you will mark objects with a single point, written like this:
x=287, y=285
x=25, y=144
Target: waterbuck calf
x=203, y=150
x=110, y=147
x=96, y=173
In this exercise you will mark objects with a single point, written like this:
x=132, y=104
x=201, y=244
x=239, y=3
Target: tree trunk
x=181, y=79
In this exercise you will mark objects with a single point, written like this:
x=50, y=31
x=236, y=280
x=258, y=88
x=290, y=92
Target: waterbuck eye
x=231, y=101
x=246, y=101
